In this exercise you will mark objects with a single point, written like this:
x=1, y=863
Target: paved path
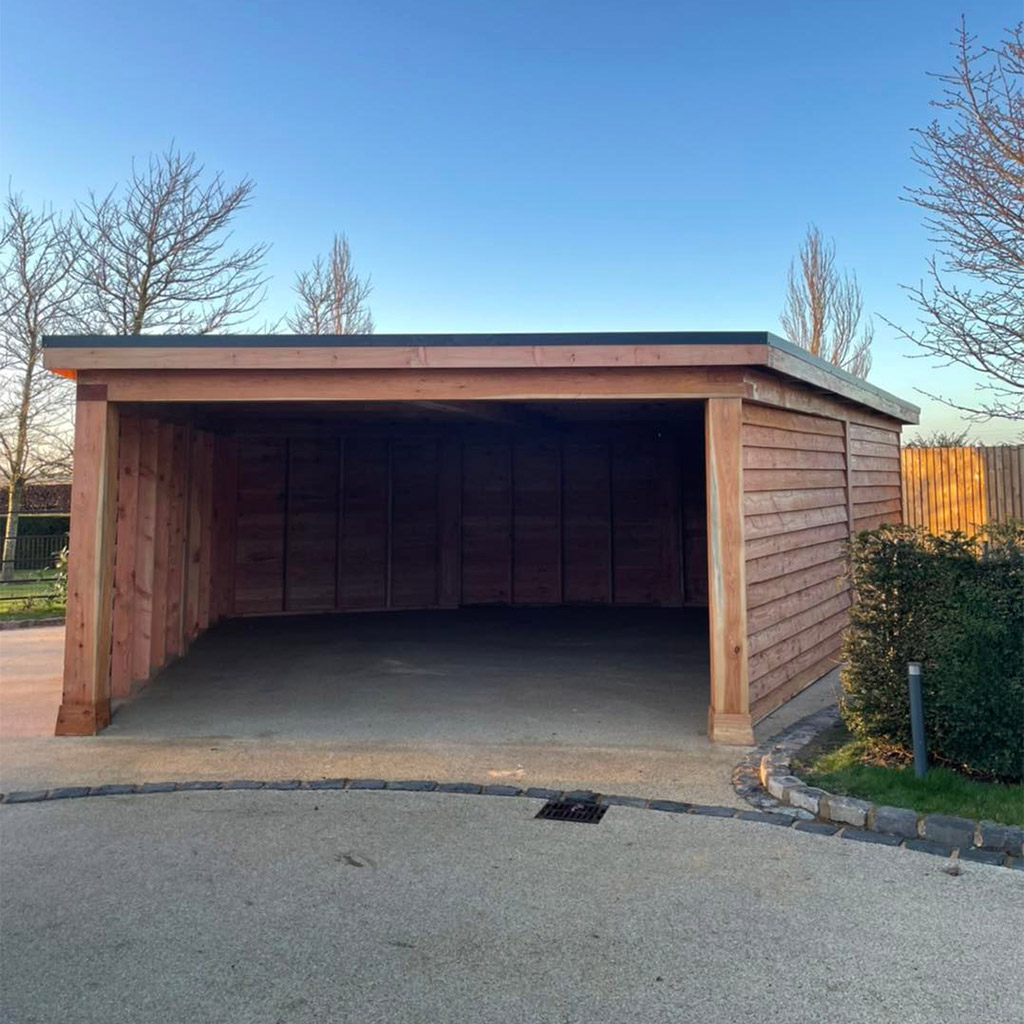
x=31, y=661
x=392, y=907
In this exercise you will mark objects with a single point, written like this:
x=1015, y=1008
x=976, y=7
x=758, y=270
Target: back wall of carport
x=348, y=516
x=177, y=521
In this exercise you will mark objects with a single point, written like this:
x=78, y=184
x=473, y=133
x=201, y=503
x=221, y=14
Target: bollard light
x=917, y=719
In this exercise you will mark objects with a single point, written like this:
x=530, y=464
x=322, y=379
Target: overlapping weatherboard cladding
x=875, y=475
x=808, y=482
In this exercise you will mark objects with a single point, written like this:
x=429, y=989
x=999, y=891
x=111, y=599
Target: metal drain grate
x=565, y=810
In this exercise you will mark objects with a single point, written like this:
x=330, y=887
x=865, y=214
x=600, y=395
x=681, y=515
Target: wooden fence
x=962, y=488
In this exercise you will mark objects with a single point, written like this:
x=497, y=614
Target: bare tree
x=824, y=308
x=971, y=307
x=332, y=297
x=38, y=294
x=940, y=439
x=154, y=257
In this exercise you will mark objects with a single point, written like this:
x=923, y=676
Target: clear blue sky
x=517, y=165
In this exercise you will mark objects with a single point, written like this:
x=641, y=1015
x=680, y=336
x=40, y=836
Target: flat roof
x=708, y=348
x=419, y=340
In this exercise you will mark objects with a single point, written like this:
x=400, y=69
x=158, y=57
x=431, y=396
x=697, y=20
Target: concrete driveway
x=398, y=907
x=613, y=701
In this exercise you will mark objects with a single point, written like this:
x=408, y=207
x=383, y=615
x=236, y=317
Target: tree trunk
x=15, y=496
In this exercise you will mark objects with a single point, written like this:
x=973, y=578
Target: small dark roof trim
x=847, y=385
x=781, y=345
x=405, y=340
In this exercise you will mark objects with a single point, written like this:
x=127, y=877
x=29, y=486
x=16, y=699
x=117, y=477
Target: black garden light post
x=917, y=719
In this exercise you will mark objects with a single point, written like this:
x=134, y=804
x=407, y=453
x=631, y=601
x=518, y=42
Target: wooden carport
x=178, y=518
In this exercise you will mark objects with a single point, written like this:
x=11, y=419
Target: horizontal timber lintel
x=626, y=383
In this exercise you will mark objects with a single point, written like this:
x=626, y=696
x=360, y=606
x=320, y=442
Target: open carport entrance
x=227, y=477
x=548, y=561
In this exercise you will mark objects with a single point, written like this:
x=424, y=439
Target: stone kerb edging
x=765, y=779
x=787, y=817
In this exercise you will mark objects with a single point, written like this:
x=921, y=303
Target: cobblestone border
x=764, y=778
x=784, y=817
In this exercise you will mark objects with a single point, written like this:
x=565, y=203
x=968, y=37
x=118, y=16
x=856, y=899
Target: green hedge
x=38, y=526
x=956, y=604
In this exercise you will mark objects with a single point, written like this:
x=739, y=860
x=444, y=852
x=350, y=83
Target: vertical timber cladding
x=312, y=517
x=168, y=549
x=808, y=481
x=565, y=521
x=587, y=547
x=694, y=522
x=359, y=522
x=259, y=546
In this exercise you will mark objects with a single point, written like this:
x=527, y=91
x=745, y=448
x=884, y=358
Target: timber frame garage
x=227, y=476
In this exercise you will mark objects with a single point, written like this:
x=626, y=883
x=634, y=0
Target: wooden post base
x=734, y=729
x=82, y=719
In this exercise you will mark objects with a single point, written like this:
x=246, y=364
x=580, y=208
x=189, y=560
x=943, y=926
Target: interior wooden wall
x=174, y=544
x=808, y=481
x=360, y=521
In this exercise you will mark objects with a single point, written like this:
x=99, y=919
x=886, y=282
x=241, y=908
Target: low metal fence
x=31, y=573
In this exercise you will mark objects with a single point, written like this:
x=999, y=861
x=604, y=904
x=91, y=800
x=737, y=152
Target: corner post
x=729, y=712
x=85, y=708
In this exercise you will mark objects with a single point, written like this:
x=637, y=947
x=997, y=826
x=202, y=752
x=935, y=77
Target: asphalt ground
x=394, y=907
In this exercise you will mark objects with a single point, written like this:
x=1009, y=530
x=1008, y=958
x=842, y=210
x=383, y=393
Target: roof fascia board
x=630, y=348
x=794, y=361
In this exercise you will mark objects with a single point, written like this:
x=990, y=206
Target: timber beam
x=463, y=385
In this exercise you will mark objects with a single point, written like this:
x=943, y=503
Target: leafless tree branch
x=940, y=439
x=332, y=297
x=971, y=305
x=824, y=308
x=154, y=256
x=39, y=294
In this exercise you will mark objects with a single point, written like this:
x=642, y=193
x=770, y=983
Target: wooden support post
x=142, y=629
x=124, y=560
x=729, y=714
x=85, y=708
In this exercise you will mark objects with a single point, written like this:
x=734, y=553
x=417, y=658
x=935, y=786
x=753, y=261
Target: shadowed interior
x=469, y=506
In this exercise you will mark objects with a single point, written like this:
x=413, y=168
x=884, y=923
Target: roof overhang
x=267, y=352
